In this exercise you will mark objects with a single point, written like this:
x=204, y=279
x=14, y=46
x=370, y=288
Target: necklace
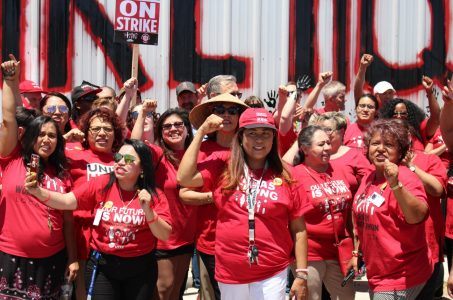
x=120, y=192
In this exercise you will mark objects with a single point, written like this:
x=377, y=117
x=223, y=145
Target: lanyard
x=97, y=256
x=251, y=193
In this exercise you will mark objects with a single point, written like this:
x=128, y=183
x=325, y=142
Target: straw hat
x=200, y=112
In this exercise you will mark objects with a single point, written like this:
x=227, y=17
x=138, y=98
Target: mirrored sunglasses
x=128, y=158
x=51, y=109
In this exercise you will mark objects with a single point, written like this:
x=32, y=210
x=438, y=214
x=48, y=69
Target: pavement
x=360, y=286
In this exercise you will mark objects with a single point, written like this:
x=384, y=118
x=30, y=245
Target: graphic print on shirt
x=48, y=183
x=120, y=224
x=333, y=193
x=266, y=192
x=97, y=169
x=358, y=141
x=365, y=208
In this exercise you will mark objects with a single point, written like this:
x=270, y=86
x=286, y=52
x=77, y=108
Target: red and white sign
x=137, y=21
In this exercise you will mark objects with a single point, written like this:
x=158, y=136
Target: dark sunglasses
x=128, y=158
x=178, y=125
x=51, y=109
x=236, y=94
x=220, y=110
x=134, y=114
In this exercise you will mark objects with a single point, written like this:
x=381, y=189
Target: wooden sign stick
x=134, y=69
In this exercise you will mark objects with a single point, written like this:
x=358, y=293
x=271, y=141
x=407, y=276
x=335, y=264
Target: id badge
x=377, y=199
x=97, y=218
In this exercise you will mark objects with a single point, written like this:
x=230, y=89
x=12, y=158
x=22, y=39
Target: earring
x=141, y=175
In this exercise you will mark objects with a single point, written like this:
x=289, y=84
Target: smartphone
x=34, y=163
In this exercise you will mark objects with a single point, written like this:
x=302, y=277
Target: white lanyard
x=251, y=192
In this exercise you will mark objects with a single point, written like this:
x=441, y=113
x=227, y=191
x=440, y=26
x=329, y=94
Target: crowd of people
x=116, y=199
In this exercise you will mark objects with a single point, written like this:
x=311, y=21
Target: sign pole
x=134, y=68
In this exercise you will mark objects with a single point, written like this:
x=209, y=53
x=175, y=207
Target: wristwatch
x=412, y=168
x=397, y=186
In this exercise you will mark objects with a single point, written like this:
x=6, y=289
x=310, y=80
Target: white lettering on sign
x=137, y=16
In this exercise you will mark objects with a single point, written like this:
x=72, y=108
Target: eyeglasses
x=97, y=129
x=369, y=106
x=178, y=125
x=236, y=94
x=128, y=158
x=400, y=113
x=51, y=109
x=220, y=110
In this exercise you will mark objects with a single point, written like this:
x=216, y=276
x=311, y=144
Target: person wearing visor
x=259, y=219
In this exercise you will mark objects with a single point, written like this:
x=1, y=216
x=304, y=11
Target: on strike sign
x=137, y=21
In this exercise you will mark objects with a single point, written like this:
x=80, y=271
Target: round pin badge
x=108, y=204
x=277, y=181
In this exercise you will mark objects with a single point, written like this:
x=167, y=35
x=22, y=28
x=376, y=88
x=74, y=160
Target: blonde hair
x=337, y=117
x=332, y=89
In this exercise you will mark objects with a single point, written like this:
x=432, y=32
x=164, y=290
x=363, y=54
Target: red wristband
x=156, y=216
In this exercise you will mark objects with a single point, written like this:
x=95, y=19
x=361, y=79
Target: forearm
x=446, y=123
x=137, y=130
x=190, y=197
x=286, y=117
x=434, y=118
x=68, y=231
x=430, y=183
x=56, y=200
x=414, y=210
x=188, y=175
x=160, y=229
x=438, y=151
x=359, y=81
x=122, y=108
x=313, y=96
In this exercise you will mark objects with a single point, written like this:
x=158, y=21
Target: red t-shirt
x=432, y=165
x=24, y=229
x=438, y=141
x=207, y=214
x=420, y=144
x=354, y=136
x=354, y=165
x=276, y=206
x=123, y=230
x=396, y=253
x=85, y=165
x=183, y=217
x=286, y=141
x=320, y=188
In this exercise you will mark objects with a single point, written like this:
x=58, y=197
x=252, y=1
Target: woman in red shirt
x=390, y=209
x=259, y=220
x=33, y=237
x=327, y=212
x=130, y=216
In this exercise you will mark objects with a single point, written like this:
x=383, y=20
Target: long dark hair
x=235, y=171
x=415, y=115
x=57, y=159
x=168, y=152
x=305, y=139
x=147, y=180
x=65, y=99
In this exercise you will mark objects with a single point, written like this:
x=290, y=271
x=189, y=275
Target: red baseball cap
x=28, y=86
x=255, y=118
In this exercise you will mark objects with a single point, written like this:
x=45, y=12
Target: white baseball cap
x=382, y=86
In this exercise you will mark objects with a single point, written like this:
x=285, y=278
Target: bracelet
x=209, y=198
x=356, y=253
x=47, y=199
x=302, y=276
x=156, y=216
x=302, y=270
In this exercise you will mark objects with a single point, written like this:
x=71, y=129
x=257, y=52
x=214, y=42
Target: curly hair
x=105, y=115
x=391, y=128
x=57, y=159
x=415, y=115
x=168, y=152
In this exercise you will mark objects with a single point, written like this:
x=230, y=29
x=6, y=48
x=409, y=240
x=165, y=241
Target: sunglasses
x=168, y=126
x=51, y=109
x=134, y=114
x=220, y=110
x=128, y=158
x=236, y=94
x=97, y=129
